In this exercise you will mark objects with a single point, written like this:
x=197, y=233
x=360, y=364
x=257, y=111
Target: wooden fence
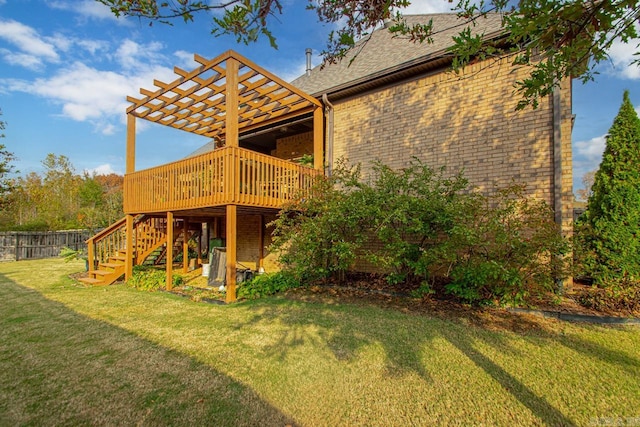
x=17, y=245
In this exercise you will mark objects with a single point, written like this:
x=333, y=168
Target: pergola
x=221, y=99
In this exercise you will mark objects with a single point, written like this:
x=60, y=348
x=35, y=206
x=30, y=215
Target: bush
x=267, y=284
x=151, y=279
x=422, y=226
x=318, y=237
x=410, y=212
x=506, y=248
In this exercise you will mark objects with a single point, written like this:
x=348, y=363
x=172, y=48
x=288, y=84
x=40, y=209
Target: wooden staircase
x=107, y=249
x=107, y=272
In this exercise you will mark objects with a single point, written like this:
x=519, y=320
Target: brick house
x=396, y=100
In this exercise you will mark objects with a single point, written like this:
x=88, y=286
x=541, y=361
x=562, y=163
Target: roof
x=384, y=54
x=196, y=100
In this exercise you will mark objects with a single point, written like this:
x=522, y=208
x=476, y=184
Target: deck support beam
x=131, y=144
x=185, y=246
x=169, y=252
x=261, y=243
x=232, y=229
x=128, y=262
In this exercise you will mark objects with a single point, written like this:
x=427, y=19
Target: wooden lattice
x=196, y=101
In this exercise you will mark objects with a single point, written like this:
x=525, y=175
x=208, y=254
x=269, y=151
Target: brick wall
x=463, y=121
x=295, y=146
x=248, y=243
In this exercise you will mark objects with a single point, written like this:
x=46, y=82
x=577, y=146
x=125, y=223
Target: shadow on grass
x=58, y=367
x=536, y=404
x=606, y=355
x=403, y=338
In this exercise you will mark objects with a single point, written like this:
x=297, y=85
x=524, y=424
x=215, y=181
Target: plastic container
x=206, y=268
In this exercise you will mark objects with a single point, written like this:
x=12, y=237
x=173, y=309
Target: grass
x=111, y=356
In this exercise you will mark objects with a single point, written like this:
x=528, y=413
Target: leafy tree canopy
x=559, y=38
x=6, y=168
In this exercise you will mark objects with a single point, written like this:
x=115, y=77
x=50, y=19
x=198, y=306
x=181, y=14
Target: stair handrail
x=93, y=254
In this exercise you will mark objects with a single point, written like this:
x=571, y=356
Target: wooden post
x=261, y=242
x=91, y=254
x=128, y=267
x=232, y=218
x=231, y=103
x=131, y=144
x=318, y=140
x=169, y=253
x=185, y=246
x=199, y=261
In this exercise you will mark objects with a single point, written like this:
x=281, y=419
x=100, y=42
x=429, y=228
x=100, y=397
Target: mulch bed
x=363, y=288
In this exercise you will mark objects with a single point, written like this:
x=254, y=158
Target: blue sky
x=66, y=67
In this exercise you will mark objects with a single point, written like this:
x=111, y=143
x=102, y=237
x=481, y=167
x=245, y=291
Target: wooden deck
x=229, y=175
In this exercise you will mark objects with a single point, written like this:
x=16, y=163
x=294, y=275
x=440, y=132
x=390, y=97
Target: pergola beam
x=203, y=107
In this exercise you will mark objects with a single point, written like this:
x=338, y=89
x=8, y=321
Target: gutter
x=557, y=155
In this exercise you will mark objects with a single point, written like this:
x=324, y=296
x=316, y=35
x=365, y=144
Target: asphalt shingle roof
x=382, y=51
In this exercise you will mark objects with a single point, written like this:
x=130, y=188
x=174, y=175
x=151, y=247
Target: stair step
x=111, y=264
x=91, y=281
x=101, y=272
x=118, y=257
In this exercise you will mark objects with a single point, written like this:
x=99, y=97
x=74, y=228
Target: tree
x=611, y=229
x=587, y=184
x=6, y=168
x=557, y=38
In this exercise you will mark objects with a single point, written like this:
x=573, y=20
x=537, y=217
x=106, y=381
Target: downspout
x=557, y=156
x=328, y=111
x=558, y=187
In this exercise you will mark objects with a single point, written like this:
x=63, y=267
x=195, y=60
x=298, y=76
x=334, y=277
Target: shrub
x=506, y=248
x=424, y=227
x=267, y=284
x=151, y=279
x=411, y=210
x=318, y=237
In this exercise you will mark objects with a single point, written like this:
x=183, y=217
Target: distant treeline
x=61, y=199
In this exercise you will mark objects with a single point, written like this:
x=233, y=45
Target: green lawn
x=71, y=355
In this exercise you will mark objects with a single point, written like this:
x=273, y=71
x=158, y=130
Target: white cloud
x=86, y=8
x=622, y=55
x=587, y=156
x=134, y=56
x=419, y=7
x=21, y=59
x=591, y=150
x=93, y=46
x=60, y=41
x=104, y=169
x=186, y=59
x=89, y=94
x=28, y=40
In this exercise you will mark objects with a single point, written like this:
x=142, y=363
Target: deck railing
x=228, y=175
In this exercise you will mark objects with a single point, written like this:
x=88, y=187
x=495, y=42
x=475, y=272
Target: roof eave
x=396, y=73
